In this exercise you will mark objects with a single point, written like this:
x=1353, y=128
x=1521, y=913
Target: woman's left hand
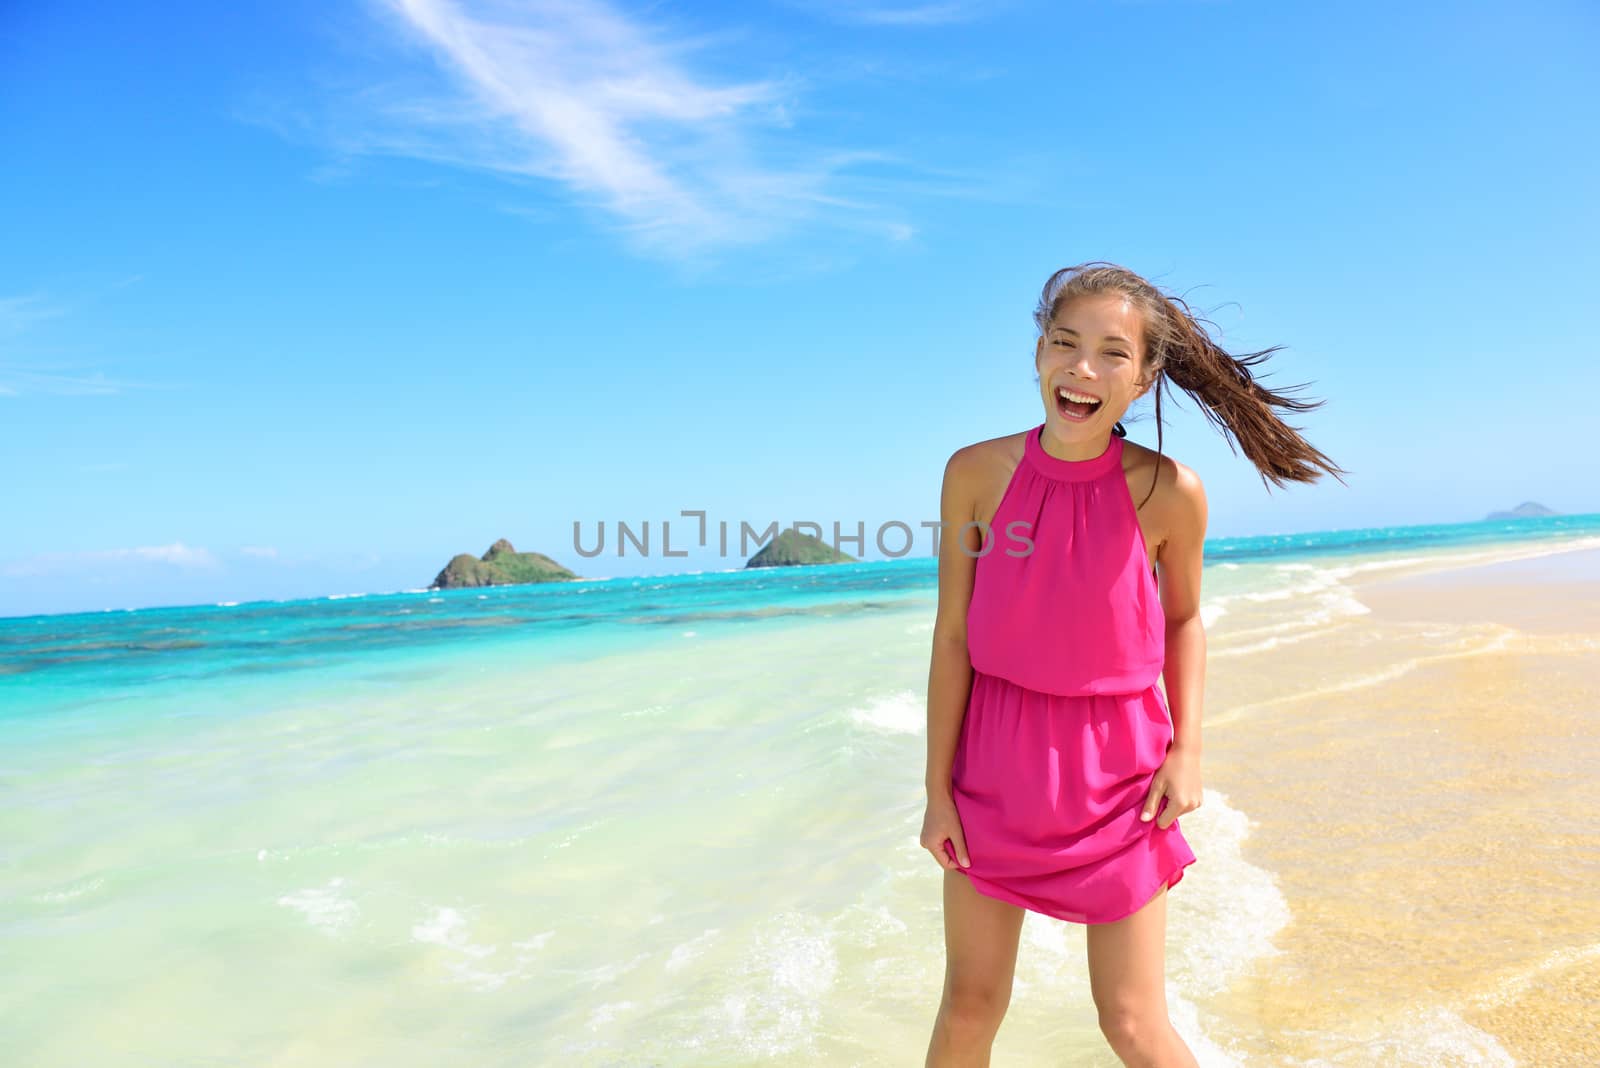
x=1178, y=779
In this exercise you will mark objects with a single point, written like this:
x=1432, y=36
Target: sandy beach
x=1420, y=780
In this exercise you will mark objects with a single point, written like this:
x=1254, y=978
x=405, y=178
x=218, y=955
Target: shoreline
x=1417, y=782
x=1550, y=594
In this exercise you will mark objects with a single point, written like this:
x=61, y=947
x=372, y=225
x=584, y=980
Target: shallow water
x=494, y=828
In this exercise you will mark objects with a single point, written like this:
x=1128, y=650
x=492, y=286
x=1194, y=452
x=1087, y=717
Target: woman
x=1057, y=768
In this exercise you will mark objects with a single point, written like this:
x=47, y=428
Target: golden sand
x=1422, y=781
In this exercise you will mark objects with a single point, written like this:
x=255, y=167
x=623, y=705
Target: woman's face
x=1094, y=347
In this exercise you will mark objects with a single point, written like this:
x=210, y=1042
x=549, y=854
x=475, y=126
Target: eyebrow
x=1109, y=337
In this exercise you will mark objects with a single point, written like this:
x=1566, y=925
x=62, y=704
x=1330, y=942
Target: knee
x=973, y=1010
x=1133, y=1033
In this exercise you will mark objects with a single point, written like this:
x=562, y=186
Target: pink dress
x=1065, y=726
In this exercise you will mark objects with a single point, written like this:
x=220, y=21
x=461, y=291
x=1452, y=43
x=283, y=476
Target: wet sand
x=1421, y=780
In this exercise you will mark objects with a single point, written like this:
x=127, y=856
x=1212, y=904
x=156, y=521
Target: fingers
x=957, y=840
x=1157, y=789
x=1169, y=815
x=942, y=836
x=951, y=852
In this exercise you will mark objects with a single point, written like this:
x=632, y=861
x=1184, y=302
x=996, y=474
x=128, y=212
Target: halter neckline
x=1071, y=470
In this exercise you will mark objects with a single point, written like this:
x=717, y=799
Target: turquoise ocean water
x=665, y=820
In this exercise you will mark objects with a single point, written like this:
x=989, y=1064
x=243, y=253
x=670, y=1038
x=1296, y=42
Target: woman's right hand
x=941, y=822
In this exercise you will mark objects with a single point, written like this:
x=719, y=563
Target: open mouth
x=1074, y=405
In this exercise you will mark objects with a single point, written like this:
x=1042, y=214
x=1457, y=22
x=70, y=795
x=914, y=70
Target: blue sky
x=305, y=298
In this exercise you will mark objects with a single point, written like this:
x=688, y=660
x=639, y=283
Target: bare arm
x=950, y=670
x=1179, y=560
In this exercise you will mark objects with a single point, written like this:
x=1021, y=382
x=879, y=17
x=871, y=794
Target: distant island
x=502, y=565
x=792, y=547
x=1525, y=510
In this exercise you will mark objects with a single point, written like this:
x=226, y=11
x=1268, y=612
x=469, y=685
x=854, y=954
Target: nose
x=1079, y=369
x=1079, y=362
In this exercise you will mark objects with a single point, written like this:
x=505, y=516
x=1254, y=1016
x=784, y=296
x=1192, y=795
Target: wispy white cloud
x=21, y=369
x=176, y=555
x=900, y=14
x=20, y=314
x=16, y=379
x=611, y=108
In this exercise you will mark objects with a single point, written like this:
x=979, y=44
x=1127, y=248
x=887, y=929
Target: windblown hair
x=1178, y=348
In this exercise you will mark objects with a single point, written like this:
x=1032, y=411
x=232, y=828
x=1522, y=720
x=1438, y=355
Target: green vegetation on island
x=792, y=547
x=502, y=565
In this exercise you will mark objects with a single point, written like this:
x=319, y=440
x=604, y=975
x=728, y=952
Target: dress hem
x=1172, y=878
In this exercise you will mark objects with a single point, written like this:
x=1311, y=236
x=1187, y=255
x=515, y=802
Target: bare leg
x=980, y=946
x=1127, y=975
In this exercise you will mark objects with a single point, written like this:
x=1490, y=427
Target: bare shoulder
x=965, y=507
x=1169, y=494
x=1173, y=479
x=1002, y=448
x=979, y=472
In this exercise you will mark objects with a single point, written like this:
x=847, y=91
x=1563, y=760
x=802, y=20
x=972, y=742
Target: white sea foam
x=1320, y=594
x=606, y=1015
x=1237, y=904
x=1423, y=1037
x=447, y=927
x=328, y=908
x=1514, y=984
x=467, y=961
x=901, y=712
x=775, y=1007
x=609, y=972
x=1491, y=638
x=648, y=711
x=686, y=953
x=68, y=893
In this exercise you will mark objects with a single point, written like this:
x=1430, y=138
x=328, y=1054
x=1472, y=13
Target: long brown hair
x=1177, y=347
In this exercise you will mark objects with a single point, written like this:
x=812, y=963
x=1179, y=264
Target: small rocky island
x=792, y=547
x=502, y=565
x=1525, y=510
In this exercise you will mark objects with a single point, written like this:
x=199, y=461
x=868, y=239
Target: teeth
x=1082, y=397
